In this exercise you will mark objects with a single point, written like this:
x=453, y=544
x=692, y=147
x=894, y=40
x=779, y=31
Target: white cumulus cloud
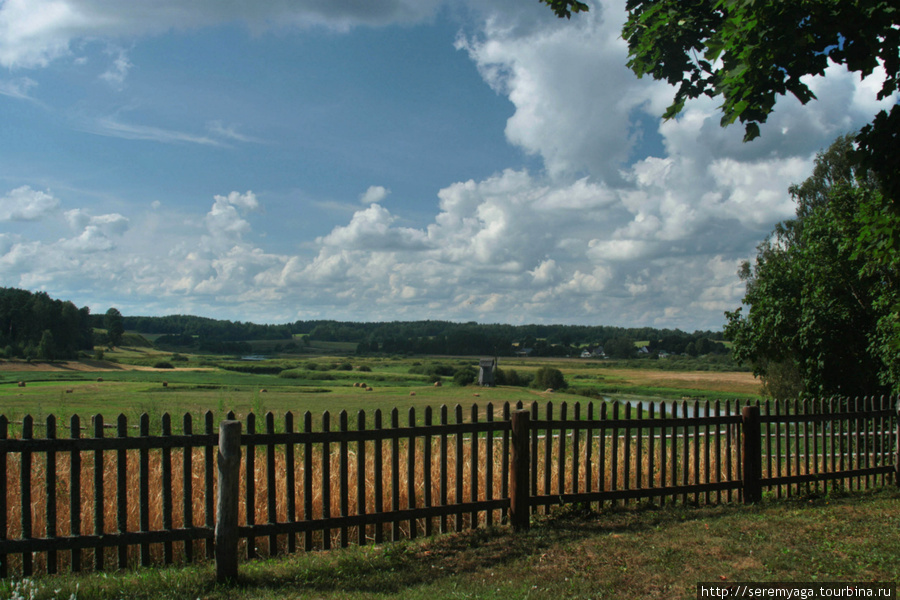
x=374, y=195
x=26, y=204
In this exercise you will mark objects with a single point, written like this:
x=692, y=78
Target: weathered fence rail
x=124, y=500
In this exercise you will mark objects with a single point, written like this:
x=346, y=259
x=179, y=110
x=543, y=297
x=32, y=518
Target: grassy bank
x=635, y=552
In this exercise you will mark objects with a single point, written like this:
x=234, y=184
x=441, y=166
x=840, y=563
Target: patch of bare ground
x=76, y=365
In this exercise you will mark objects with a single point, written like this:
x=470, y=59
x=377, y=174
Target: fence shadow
x=400, y=566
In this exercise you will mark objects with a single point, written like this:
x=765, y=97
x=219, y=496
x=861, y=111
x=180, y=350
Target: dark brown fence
x=112, y=500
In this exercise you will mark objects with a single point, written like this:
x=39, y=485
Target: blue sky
x=268, y=161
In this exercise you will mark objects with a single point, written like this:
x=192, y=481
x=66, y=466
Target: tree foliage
x=750, y=52
x=549, y=378
x=565, y=8
x=115, y=327
x=820, y=316
x=36, y=326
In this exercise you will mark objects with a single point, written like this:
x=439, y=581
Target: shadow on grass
x=399, y=566
x=403, y=566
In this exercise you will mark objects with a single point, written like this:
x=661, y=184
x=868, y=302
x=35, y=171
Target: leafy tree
x=549, y=377
x=819, y=309
x=565, y=8
x=115, y=327
x=751, y=52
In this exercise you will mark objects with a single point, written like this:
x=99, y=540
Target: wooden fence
x=120, y=500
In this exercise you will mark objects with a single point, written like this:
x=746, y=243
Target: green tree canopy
x=115, y=327
x=818, y=305
x=549, y=378
x=750, y=52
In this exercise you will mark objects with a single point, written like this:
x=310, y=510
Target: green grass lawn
x=624, y=553
x=320, y=383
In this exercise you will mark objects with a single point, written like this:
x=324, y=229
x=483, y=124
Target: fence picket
x=51, y=494
x=379, y=478
x=504, y=466
x=444, y=467
x=411, y=472
x=361, y=476
x=395, y=473
x=589, y=450
x=675, y=453
x=208, y=476
x=459, y=468
x=626, y=459
x=576, y=451
x=561, y=451
x=719, y=452
x=651, y=449
x=4, y=505
x=290, y=492
x=534, y=455
x=663, y=445
x=187, y=484
x=307, y=480
x=427, y=500
x=166, y=485
x=489, y=465
x=344, y=477
x=75, y=491
x=601, y=454
x=271, y=511
x=614, y=461
x=25, y=491
x=548, y=453
x=639, y=454
x=707, y=439
x=326, y=480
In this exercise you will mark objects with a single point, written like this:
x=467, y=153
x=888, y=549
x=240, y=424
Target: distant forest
x=33, y=325
x=426, y=337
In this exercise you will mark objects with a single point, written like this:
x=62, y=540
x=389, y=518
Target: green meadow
x=137, y=380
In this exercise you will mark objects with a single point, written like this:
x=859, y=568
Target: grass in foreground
x=638, y=552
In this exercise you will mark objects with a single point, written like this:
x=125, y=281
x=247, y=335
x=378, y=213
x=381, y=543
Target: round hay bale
x=412, y=393
x=263, y=391
x=437, y=384
x=368, y=389
x=69, y=391
x=165, y=384
x=477, y=395
x=99, y=379
x=21, y=384
x=549, y=390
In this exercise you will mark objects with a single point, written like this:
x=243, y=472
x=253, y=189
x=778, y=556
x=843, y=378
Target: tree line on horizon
x=33, y=325
x=430, y=336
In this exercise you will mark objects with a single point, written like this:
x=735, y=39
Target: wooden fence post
x=229, y=463
x=897, y=449
x=519, y=509
x=751, y=455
